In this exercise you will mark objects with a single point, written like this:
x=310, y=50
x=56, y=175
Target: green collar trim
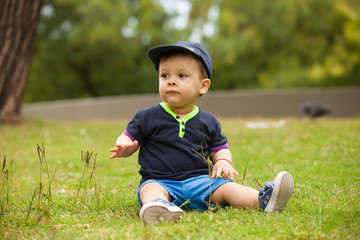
x=183, y=121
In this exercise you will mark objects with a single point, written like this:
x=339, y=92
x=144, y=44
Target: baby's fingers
x=114, y=149
x=216, y=172
x=219, y=172
x=226, y=173
x=231, y=175
x=134, y=144
x=213, y=173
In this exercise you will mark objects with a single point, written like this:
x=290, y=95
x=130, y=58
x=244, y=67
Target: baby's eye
x=182, y=75
x=164, y=75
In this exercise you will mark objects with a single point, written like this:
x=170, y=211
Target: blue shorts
x=195, y=189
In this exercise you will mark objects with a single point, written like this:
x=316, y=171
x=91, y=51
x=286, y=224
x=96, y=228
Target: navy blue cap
x=194, y=48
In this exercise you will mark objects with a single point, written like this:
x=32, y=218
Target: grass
x=59, y=183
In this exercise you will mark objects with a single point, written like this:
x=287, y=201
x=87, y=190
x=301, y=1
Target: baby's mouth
x=172, y=91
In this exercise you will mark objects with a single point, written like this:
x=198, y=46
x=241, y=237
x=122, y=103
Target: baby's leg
x=157, y=207
x=152, y=191
x=236, y=195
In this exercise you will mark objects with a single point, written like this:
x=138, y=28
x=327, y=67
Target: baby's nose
x=171, y=82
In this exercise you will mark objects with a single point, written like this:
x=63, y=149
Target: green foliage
x=323, y=157
x=81, y=50
x=91, y=48
x=286, y=44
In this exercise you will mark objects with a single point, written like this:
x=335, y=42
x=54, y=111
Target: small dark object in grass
x=314, y=109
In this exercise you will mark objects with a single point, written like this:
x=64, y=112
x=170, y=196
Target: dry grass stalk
x=88, y=178
x=4, y=181
x=39, y=190
x=210, y=167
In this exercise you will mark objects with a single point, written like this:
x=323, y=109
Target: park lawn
x=80, y=200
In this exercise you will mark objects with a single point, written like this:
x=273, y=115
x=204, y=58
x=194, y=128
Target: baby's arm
x=124, y=147
x=222, y=166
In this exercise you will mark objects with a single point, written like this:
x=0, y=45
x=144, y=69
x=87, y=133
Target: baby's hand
x=225, y=168
x=124, y=149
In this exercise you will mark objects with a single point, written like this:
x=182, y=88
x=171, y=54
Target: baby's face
x=180, y=84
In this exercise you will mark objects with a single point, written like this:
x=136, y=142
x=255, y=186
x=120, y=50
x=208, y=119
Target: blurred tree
x=91, y=48
x=18, y=21
x=94, y=48
x=301, y=43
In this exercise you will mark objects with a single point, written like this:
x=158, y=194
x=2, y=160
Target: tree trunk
x=18, y=23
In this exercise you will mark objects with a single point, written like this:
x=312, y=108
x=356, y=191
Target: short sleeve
x=135, y=127
x=219, y=140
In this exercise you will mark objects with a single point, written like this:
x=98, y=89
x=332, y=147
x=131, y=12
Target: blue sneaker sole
x=283, y=189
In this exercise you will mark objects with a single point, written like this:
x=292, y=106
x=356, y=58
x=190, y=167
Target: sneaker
x=159, y=211
x=275, y=195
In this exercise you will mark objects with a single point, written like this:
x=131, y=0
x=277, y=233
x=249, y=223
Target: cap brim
x=155, y=53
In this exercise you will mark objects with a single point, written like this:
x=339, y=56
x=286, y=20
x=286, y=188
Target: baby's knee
x=153, y=189
x=150, y=187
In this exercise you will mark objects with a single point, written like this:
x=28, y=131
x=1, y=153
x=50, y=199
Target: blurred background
x=92, y=48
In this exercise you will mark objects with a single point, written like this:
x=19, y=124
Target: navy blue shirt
x=168, y=145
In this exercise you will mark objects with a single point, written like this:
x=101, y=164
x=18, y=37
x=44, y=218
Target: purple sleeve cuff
x=129, y=135
x=215, y=149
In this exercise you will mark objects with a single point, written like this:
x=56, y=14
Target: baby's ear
x=205, y=85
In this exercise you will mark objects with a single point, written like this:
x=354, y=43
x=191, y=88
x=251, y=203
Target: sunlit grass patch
x=323, y=157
